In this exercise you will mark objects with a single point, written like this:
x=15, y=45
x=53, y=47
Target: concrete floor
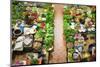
x=59, y=54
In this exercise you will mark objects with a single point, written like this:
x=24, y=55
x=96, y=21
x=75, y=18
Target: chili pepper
x=35, y=15
x=43, y=25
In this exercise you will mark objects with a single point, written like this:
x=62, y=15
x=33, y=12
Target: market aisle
x=59, y=54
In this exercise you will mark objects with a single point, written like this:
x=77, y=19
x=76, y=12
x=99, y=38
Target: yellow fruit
x=86, y=55
x=39, y=18
x=45, y=10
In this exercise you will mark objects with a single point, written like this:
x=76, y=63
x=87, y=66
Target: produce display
x=33, y=33
x=80, y=32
